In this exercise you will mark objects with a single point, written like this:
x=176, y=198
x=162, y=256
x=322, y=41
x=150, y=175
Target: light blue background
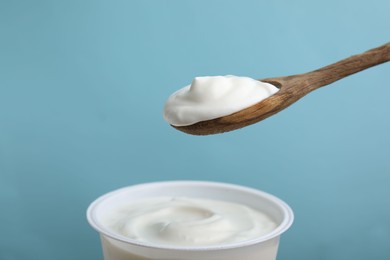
x=83, y=83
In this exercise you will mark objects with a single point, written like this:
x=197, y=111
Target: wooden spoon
x=291, y=88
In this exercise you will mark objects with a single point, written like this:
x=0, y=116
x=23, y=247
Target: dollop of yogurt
x=214, y=96
x=188, y=222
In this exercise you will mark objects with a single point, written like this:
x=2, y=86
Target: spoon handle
x=331, y=73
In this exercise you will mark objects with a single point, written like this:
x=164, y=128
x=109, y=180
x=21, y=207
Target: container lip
x=282, y=227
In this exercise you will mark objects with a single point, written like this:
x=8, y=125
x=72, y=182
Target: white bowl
x=118, y=247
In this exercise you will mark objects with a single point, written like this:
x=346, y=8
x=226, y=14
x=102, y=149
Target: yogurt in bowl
x=189, y=220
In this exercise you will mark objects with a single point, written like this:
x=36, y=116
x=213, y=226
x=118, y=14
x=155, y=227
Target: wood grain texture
x=292, y=88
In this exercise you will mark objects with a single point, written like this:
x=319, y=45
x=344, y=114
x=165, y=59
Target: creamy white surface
x=212, y=97
x=187, y=222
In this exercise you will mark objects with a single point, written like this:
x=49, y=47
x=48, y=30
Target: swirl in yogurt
x=188, y=222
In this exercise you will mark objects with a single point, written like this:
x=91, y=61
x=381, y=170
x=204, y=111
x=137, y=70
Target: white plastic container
x=116, y=247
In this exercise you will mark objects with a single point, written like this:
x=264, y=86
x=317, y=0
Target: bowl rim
x=281, y=228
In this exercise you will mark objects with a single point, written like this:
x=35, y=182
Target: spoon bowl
x=291, y=89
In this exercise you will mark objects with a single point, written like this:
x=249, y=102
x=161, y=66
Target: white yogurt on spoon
x=212, y=97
